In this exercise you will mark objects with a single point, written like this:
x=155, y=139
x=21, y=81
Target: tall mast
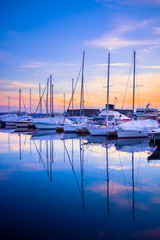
x=8, y=103
x=47, y=97
x=72, y=95
x=108, y=86
x=134, y=63
x=30, y=100
x=52, y=99
x=50, y=95
x=19, y=100
x=82, y=88
x=64, y=102
x=40, y=100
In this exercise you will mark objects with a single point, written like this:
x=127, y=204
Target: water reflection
x=103, y=185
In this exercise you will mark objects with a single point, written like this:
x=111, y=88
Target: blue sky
x=39, y=38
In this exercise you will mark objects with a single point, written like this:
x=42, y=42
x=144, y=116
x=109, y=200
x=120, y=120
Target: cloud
x=112, y=64
x=16, y=84
x=156, y=30
x=32, y=65
x=110, y=3
x=118, y=38
x=150, y=67
x=113, y=42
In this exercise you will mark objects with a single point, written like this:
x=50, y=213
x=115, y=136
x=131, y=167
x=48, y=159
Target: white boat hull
x=71, y=128
x=101, y=131
x=45, y=126
x=132, y=134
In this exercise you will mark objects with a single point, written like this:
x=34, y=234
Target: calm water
x=68, y=187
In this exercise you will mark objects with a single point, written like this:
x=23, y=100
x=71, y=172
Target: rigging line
x=124, y=181
x=127, y=84
x=87, y=94
x=23, y=103
x=39, y=155
x=75, y=87
x=40, y=99
x=102, y=97
x=72, y=168
x=137, y=91
x=24, y=143
x=73, y=92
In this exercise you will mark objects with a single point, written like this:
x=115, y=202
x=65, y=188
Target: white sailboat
x=80, y=124
x=52, y=123
x=108, y=129
x=132, y=129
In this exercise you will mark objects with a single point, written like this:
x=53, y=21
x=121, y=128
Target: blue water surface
x=58, y=186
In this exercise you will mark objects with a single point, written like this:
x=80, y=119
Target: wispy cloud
x=128, y=2
x=112, y=64
x=32, y=65
x=117, y=38
x=150, y=67
x=112, y=43
x=16, y=84
x=156, y=30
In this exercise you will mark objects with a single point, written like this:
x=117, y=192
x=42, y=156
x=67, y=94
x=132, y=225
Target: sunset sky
x=42, y=38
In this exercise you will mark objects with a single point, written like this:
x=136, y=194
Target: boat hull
x=46, y=126
x=122, y=134
x=71, y=128
x=102, y=131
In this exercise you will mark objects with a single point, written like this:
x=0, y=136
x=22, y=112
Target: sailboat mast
x=134, y=63
x=52, y=99
x=19, y=100
x=82, y=89
x=72, y=96
x=8, y=103
x=64, y=102
x=47, y=97
x=50, y=95
x=108, y=85
x=30, y=100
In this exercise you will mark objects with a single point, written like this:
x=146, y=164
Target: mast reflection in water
x=58, y=186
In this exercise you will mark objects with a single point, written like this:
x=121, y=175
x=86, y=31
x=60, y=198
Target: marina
x=80, y=120
x=57, y=185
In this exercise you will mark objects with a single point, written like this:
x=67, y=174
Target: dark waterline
x=63, y=186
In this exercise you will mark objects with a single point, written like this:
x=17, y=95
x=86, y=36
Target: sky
x=42, y=38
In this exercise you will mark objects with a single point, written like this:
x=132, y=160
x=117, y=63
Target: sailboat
x=75, y=127
x=133, y=129
x=108, y=129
